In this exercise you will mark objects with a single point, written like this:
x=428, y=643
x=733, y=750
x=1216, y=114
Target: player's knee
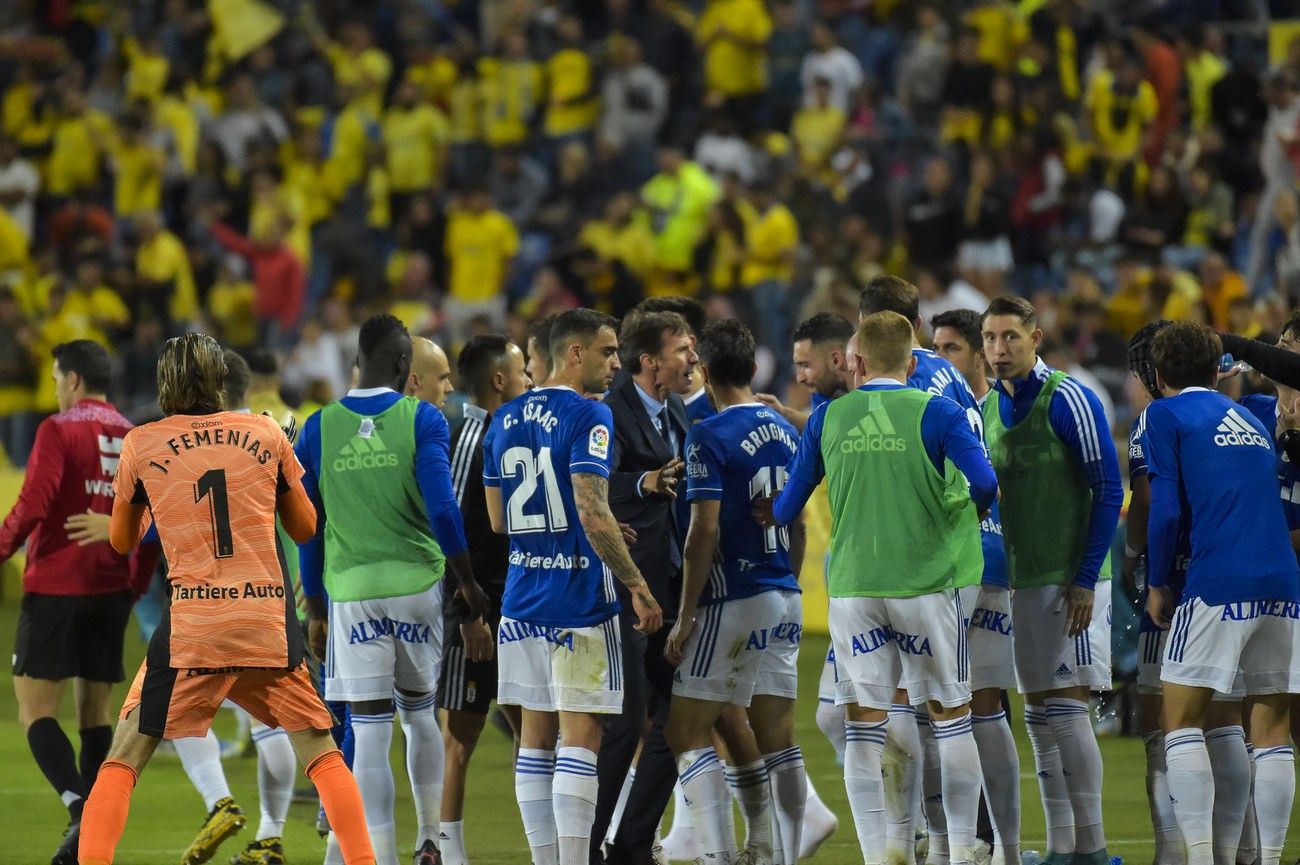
x=987, y=701
x=463, y=731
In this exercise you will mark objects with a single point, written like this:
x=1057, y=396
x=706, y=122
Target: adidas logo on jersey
x=364, y=453
x=1235, y=430
x=874, y=433
x=1063, y=670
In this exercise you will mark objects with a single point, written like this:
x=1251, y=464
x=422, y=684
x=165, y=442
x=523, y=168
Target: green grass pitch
x=166, y=811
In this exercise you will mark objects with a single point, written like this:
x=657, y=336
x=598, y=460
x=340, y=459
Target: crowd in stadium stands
x=272, y=172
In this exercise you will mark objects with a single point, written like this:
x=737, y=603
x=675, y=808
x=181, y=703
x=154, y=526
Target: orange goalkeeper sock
x=104, y=817
x=342, y=802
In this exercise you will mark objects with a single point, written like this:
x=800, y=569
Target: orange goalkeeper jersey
x=211, y=482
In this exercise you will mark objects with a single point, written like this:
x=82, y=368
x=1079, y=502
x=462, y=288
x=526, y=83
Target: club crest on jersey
x=598, y=442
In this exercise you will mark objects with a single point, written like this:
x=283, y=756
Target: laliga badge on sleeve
x=367, y=428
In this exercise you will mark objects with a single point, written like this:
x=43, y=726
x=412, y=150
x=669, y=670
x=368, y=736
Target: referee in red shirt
x=76, y=598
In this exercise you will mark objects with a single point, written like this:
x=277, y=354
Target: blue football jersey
x=533, y=446
x=1137, y=467
x=734, y=457
x=1264, y=407
x=1222, y=461
x=698, y=406
x=934, y=374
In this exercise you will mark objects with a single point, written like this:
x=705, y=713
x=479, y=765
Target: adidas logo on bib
x=1235, y=430
x=874, y=433
x=364, y=453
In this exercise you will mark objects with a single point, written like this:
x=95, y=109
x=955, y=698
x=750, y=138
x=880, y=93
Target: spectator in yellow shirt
x=770, y=248
x=97, y=309
x=230, y=303
x=733, y=35
x=817, y=131
x=677, y=201
x=162, y=271
x=137, y=166
x=1203, y=66
x=618, y=236
x=358, y=65
x=469, y=156
x=77, y=146
x=415, y=135
x=1122, y=108
x=480, y=245
x=511, y=89
x=146, y=68
x=572, y=106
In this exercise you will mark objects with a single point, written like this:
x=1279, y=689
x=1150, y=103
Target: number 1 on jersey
x=213, y=485
x=765, y=482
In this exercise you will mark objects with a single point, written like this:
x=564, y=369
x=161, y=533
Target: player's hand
x=290, y=428
x=477, y=637
x=663, y=480
x=1160, y=606
x=650, y=617
x=87, y=528
x=629, y=533
x=762, y=512
x=771, y=401
x=317, y=636
x=675, y=648
x=1078, y=609
x=476, y=599
x=1286, y=417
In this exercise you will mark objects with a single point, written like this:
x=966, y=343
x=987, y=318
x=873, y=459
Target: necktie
x=661, y=421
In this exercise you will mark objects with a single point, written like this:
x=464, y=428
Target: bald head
x=430, y=379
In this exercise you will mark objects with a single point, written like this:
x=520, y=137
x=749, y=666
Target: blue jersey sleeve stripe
x=1084, y=421
x=601, y=469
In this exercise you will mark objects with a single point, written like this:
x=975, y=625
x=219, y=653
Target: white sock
x=729, y=774
x=1191, y=783
x=276, y=769
x=901, y=766
x=755, y=804
x=575, y=803
x=1169, y=838
x=1248, y=849
x=830, y=720
x=1071, y=723
x=1000, y=765
x=621, y=805
x=534, y=779
x=788, y=777
x=451, y=843
x=936, y=820
x=333, y=852
x=1275, y=788
x=1052, y=788
x=819, y=822
x=201, y=759
x=1230, y=765
x=682, y=827
x=373, y=735
x=865, y=744
x=705, y=795
x=960, y=761
x=424, y=761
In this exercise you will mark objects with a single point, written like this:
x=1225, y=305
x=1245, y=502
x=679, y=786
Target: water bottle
x=1117, y=860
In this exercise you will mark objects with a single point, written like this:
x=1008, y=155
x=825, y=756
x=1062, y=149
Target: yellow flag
x=240, y=26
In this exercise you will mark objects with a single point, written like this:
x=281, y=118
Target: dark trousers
x=647, y=688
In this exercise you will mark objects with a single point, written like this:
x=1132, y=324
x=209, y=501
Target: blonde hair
x=885, y=341
x=191, y=375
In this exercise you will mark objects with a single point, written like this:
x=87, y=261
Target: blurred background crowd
x=272, y=171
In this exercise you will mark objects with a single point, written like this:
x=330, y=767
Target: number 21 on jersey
x=532, y=469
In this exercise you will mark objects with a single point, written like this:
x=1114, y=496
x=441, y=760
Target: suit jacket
x=639, y=448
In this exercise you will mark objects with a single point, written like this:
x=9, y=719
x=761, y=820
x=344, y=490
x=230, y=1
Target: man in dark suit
x=657, y=351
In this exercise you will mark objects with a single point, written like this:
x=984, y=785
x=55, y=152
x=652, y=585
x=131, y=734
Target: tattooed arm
x=591, y=495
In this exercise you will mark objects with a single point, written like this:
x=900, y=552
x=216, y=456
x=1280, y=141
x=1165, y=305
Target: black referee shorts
x=72, y=636
x=464, y=685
